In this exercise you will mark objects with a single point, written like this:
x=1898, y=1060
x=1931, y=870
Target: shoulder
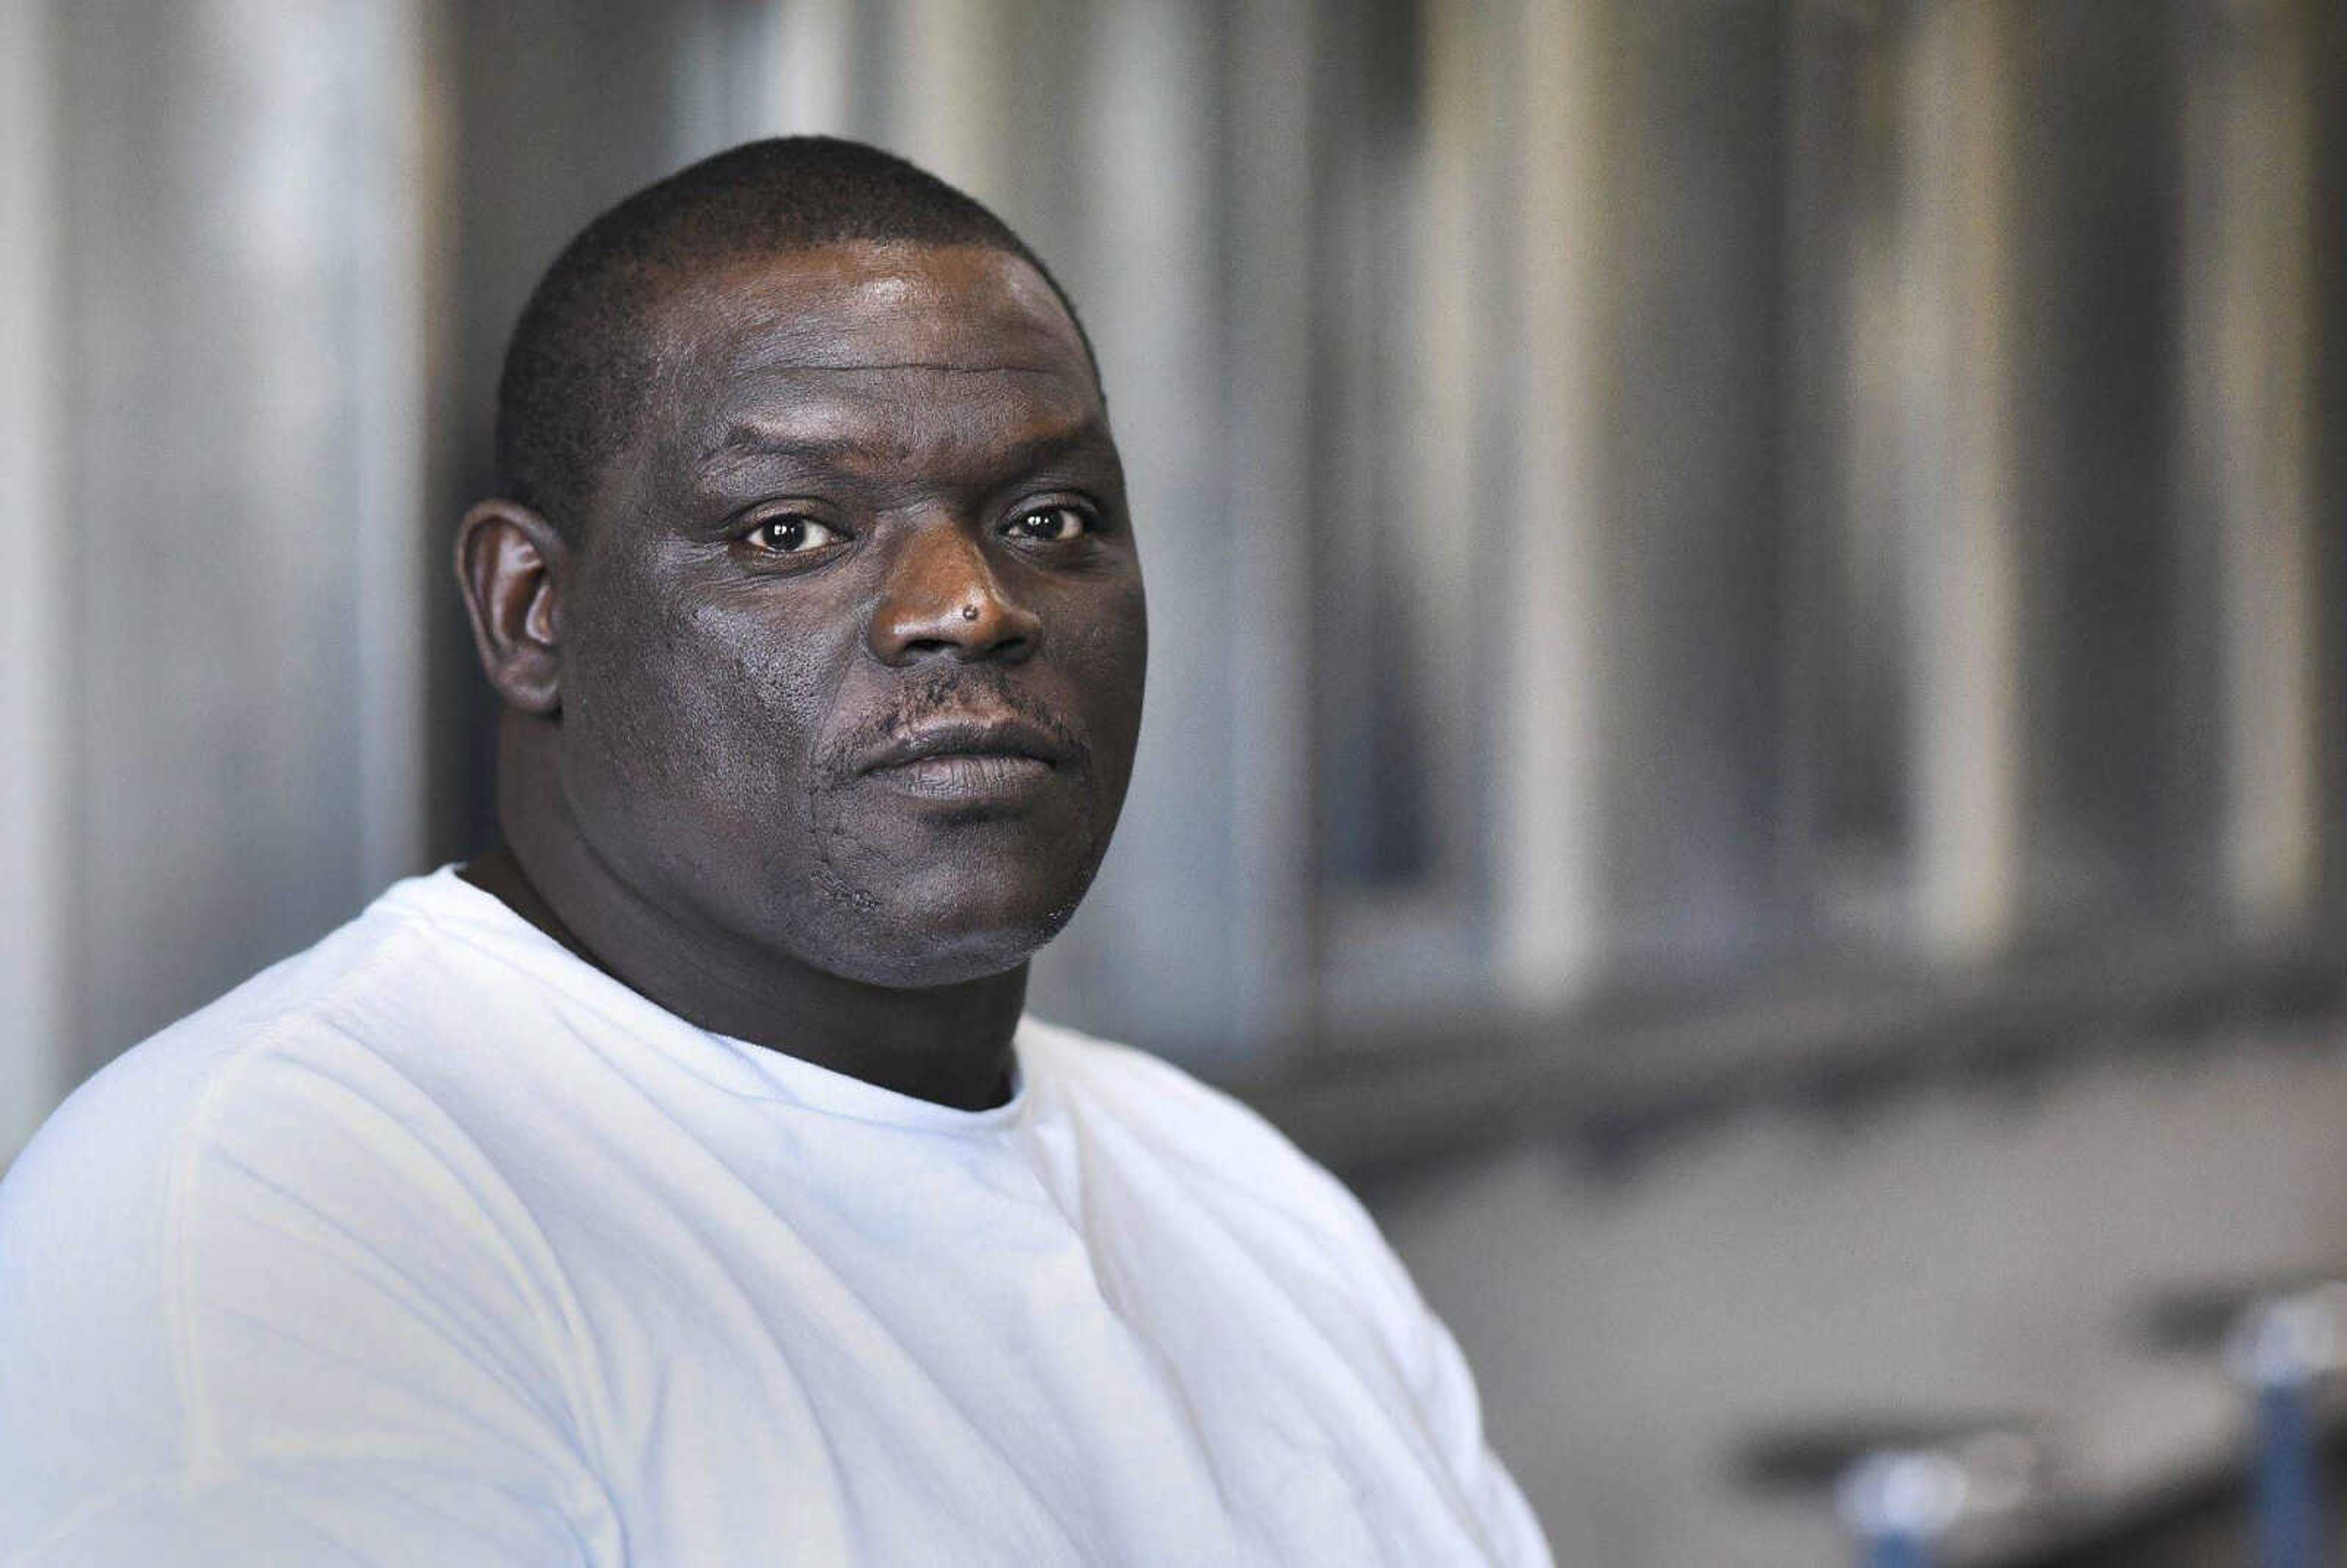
x=289, y=1083
x=128, y=1122
x=1156, y=1101
x=332, y=1087
x=1223, y=1155
x=347, y=1021
x=1301, y=1229
x=92, y=1221
x=131, y=1116
x=254, y=1225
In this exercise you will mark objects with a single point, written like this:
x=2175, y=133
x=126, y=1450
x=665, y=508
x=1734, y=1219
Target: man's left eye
x=792, y=534
x=1049, y=525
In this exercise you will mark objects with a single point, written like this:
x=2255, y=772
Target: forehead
x=887, y=324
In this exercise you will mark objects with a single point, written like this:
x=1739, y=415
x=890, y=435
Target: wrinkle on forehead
x=939, y=366
x=810, y=397
x=817, y=339
x=1019, y=437
x=895, y=354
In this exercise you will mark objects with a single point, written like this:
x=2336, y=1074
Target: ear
x=510, y=564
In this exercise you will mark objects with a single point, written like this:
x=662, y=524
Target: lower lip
x=964, y=779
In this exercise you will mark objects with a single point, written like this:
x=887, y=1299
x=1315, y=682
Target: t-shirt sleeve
x=1440, y=1384
x=1299, y=1213
x=270, y=1306
x=1446, y=1391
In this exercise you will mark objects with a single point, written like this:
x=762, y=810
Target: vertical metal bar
x=2250, y=449
x=397, y=196
x=1444, y=404
x=1272, y=57
x=1960, y=438
x=951, y=116
x=810, y=68
x=1550, y=887
x=34, y=1045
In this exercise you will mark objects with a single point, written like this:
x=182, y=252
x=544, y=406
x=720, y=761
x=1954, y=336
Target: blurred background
x=1746, y=729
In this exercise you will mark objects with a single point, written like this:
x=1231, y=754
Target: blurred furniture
x=2202, y=1520
x=2281, y=1343
x=1903, y=1490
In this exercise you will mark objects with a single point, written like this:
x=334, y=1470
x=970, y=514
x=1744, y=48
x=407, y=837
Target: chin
x=969, y=953
x=910, y=943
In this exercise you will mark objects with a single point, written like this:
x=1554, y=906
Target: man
x=680, y=1184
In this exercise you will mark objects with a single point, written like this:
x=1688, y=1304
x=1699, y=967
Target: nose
x=943, y=599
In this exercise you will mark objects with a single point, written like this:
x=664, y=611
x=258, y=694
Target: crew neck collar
x=449, y=903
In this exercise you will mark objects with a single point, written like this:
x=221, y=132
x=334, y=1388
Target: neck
x=950, y=1044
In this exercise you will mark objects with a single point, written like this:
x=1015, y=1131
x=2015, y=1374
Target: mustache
x=943, y=695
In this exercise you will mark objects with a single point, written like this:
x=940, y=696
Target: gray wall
x=216, y=478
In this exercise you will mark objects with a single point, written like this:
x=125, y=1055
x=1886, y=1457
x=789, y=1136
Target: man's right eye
x=792, y=535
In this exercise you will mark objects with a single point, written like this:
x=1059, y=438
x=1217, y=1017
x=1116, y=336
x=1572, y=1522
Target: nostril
x=966, y=615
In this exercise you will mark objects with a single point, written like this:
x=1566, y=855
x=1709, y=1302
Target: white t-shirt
x=434, y=1244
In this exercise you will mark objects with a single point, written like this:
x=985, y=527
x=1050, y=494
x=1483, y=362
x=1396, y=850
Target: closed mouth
x=966, y=776
x=974, y=739
x=970, y=759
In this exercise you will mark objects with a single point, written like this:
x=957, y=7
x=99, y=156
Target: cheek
x=1106, y=659
x=700, y=705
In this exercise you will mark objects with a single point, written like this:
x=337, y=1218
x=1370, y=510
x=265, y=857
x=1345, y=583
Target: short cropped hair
x=579, y=364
